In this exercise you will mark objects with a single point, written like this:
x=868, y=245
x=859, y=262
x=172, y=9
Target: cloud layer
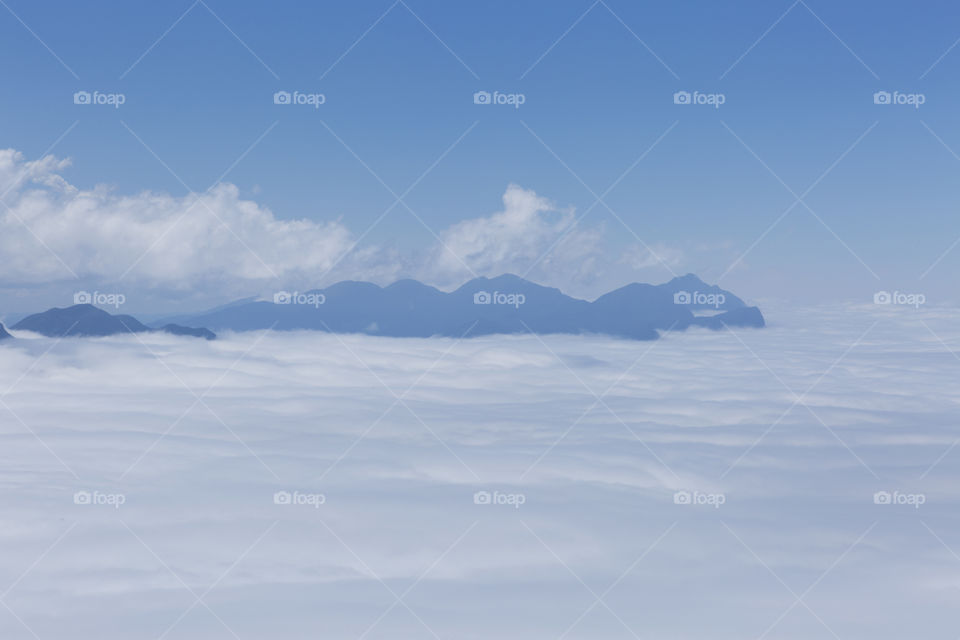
x=711, y=414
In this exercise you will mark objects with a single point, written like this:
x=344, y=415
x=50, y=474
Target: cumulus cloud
x=15, y=171
x=308, y=413
x=53, y=231
x=530, y=229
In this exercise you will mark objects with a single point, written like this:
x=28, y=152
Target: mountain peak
x=503, y=278
x=506, y=281
x=687, y=280
x=407, y=284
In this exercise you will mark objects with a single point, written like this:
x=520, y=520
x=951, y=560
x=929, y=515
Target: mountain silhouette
x=88, y=320
x=484, y=306
x=179, y=330
x=3, y=333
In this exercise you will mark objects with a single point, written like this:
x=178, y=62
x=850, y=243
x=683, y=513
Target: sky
x=785, y=440
x=788, y=181
x=795, y=481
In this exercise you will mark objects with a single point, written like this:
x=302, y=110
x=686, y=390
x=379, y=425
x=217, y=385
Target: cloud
x=218, y=243
x=199, y=241
x=638, y=256
x=530, y=229
x=16, y=172
x=309, y=412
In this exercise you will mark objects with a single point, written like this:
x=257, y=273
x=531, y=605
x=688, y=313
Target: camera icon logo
x=282, y=497
x=881, y=497
x=682, y=297
x=681, y=97
x=882, y=297
x=81, y=97
x=481, y=497
x=281, y=97
x=82, y=297
x=681, y=497
x=81, y=497
x=481, y=97
x=482, y=297
x=881, y=97
x=282, y=297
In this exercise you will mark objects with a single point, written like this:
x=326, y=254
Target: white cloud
x=201, y=242
x=657, y=255
x=528, y=229
x=399, y=497
x=219, y=243
x=16, y=172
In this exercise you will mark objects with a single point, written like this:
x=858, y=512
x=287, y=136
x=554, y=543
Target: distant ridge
x=3, y=333
x=507, y=304
x=88, y=320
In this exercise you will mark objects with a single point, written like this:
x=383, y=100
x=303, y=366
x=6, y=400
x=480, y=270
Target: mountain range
x=407, y=308
x=88, y=320
x=483, y=306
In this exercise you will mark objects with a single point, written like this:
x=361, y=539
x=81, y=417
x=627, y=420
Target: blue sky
x=800, y=193
x=598, y=81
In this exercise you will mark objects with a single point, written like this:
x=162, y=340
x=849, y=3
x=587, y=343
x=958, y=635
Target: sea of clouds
x=799, y=481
